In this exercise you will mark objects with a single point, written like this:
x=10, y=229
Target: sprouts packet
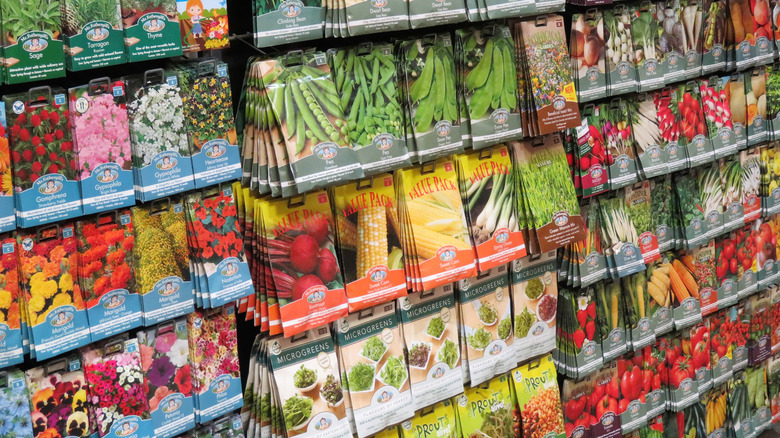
x=539, y=398
x=486, y=409
x=430, y=327
x=439, y=419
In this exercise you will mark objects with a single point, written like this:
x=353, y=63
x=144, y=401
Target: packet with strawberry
x=577, y=353
x=632, y=403
x=610, y=319
x=683, y=386
x=655, y=378
x=721, y=351
x=577, y=407
x=759, y=345
x=604, y=406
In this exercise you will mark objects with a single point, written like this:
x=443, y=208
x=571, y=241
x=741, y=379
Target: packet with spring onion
x=486, y=410
x=731, y=187
x=430, y=328
x=371, y=351
x=486, y=314
x=651, y=158
x=621, y=68
x=534, y=302
x=620, y=237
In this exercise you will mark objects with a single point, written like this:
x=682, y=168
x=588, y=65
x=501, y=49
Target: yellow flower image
x=5, y=299
x=60, y=299
x=37, y=279
x=36, y=303
x=46, y=289
x=66, y=283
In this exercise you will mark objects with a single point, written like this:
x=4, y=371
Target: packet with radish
x=671, y=130
x=616, y=129
x=299, y=235
x=731, y=187
x=486, y=314
x=651, y=158
x=588, y=55
x=605, y=399
x=430, y=327
x=591, y=155
x=620, y=65
x=717, y=114
x=488, y=182
x=576, y=403
x=683, y=385
x=650, y=64
x=759, y=342
x=366, y=218
x=693, y=127
x=534, y=301
x=371, y=349
x=655, y=377
x=720, y=326
x=631, y=380
x=610, y=320
x=758, y=125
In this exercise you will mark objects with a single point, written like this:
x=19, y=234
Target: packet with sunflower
x=161, y=260
x=117, y=388
x=44, y=163
x=49, y=265
x=105, y=273
x=208, y=111
x=101, y=138
x=11, y=347
x=58, y=399
x=7, y=217
x=165, y=362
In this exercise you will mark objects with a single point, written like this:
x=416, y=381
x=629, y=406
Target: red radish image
x=690, y=114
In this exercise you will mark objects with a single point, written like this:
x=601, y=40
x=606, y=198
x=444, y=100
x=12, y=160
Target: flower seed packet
x=16, y=416
x=105, y=273
x=101, y=139
x=48, y=259
x=151, y=29
x=161, y=260
x=158, y=135
x=165, y=360
x=32, y=44
x=44, y=163
x=430, y=326
x=203, y=25
x=7, y=217
x=93, y=34
x=11, y=348
x=314, y=404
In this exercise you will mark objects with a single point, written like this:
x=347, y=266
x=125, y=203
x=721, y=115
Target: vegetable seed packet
x=377, y=374
x=739, y=403
x=671, y=132
x=538, y=396
x=576, y=407
x=11, y=305
x=773, y=386
x=704, y=273
x=715, y=98
x=620, y=66
x=774, y=297
x=587, y=51
x=93, y=37
x=314, y=403
x=683, y=384
x=169, y=394
x=101, y=139
x=757, y=394
x=277, y=23
x=651, y=67
x=773, y=99
x=620, y=234
x=720, y=325
x=713, y=40
x=686, y=304
x=738, y=107
x=769, y=189
x=759, y=344
x=105, y=273
x=654, y=360
x=430, y=328
x=731, y=186
x=151, y=29
x=486, y=314
x=650, y=156
x=534, y=302
x=659, y=291
x=486, y=409
x=439, y=418
x=610, y=320
x=606, y=393
x=755, y=97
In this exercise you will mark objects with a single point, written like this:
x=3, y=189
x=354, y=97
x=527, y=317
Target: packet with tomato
x=739, y=405
x=638, y=325
x=773, y=386
x=766, y=252
x=761, y=414
x=631, y=404
x=539, y=399
x=701, y=263
x=683, y=386
x=740, y=318
x=726, y=270
x=671, y=129
x=747, y=277
x=534, y=303
x=721, y=350
x=577, y=395
x=610, y=320
x=605, y=399
x=759, y=345
x=774, y=294
x=655, y=378
x=693, y=124
x=696, y=343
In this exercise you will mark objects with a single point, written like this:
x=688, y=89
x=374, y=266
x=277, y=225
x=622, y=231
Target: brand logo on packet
x=326, y=151
x=495, y=349
x=153, y=22
x=561, y=218
x=685, y=385
x=593, y=74
x=559, y=102
x=673, y=59
x=691, y=57
x=50, y=184
x=500, y=116
x=592, y=259
x=106, y=173
x=769, y=265
x=633, y=407
x=114, y=300
x=650, y=65
x=97, y=31
x=215, y=148
x=734, y=207
x=590, y=349
x=446, y=253
x=228, y=267
x=377, y=273
x=596, y=171
x=725, y=133
x=644, y=324
x=763, y=43
x=34, y=42
x=443, y=128
x=3, y=328
x=378, y=3
x=717, y=51
x=27, y=244
x=661, y=231
x=705, y=294
x=608, y=419
x=384, y=142
x=689, y=303
x=646, y=239
x=696, y=224
x=291, y=8
x=537, y=330
x=125, y=427
x=622, y=162
x=221, y=385
x=501, y=235
x=166, y=160
x=628, y=250
x=171, y=403
x=61, y=318
x=623, y=69
x=168, y=286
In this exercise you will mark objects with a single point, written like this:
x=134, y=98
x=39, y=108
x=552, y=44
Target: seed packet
x=715, y=103
x=769, y=190
x=739, y=405
x=425, y=14
x=534, y=300
x=14, y=395
x=277, y=23
x=8, y=218
x=738, y=106
x=693, y=127
x=750, y=160
x=218, y=245
x=11, y=306
x=367, y=221
x=638, y=200
x=610, y=320
x=430, y=327
x=92, y=34
x=216, y=379
x=636, y=302
x=659, y=291
x=700, y=262
x=161, y=152
x=758, y=344
x=439, y=418
x=101, y=139
x=695, y=343
x=766, y=251
x=105, y=273
x=673, y=53
x=486, y=314
x=582, y=346
x=774, y=297
x=363, y=17
x=44, y=164
x=757, y=394
x=538, y=397
x=113, y=372
x=650, y=157
x=49, y=272
x=633, y=390
x=208, y=110
x=773, y=99
x=165, y=361
x=731, y=186
x=662, y=211
x=755, y=97
x=604, y=408
x=686, y=307
x=59, y=401
x=299, y=234
x=366, y=79
x=670, y=122
x=683, y=385
x=591, y=155
x=740, y=319
x=773, y=386
x=720, y=325
x=655, y=371
x=161, y=260
x=587, y=51
x=621, y=68
x=716, y=18
x=576, y=407
x=377, y=374
x=650, y=64
x=33, y=47
x=486, y=410
x=620, y=236
x=203, y=25
x=151, y=29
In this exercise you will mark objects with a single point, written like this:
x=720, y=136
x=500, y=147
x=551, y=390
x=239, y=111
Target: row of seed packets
x=103, y=145
x=158, y=384
x=70, y=284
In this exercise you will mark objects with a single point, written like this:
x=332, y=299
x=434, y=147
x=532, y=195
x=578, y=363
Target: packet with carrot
x=486, y=410
x=534, y=302
x=686, y=308
x=486, y=314
x=366, y=218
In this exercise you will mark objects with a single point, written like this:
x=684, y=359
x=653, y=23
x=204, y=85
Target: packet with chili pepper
x=655, y=378
x=576, y=407
x=631, y=407
x=774, y=297
x=759, y=344
x=720, y=325
x=539, y=398
x=610, y=320
x=605, y=415
x=591, y=265
x=534, y=300
x=701, y=263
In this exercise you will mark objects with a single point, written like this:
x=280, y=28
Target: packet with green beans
x=365, y=79
x=437, y=420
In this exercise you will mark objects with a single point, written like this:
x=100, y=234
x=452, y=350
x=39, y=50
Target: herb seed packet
x=33, y=48
x=534, y=300
x=44, y=162
x=430, y=327
x=93, y=34
x=203, y=25
x=151, y=29
x=376, y=371
x=101, y=138
x=165, y=348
